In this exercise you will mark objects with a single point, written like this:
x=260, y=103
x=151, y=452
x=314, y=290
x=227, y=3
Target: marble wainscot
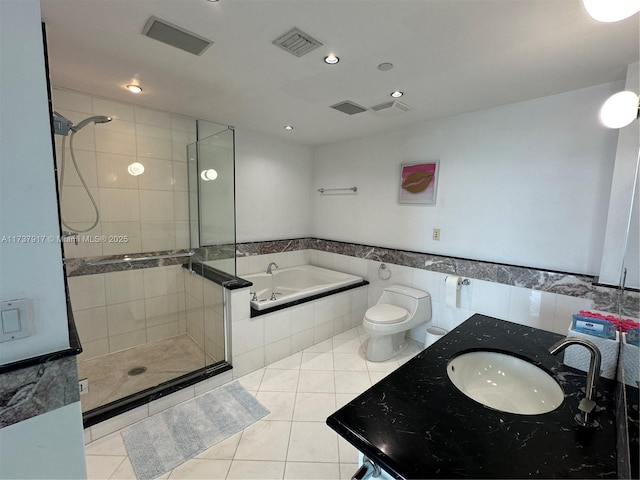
x=416, y=424
x=604, y=298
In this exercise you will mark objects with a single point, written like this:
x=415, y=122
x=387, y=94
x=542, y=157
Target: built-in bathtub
x=296, y=284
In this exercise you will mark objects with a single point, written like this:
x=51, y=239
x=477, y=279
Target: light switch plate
x=15, y=320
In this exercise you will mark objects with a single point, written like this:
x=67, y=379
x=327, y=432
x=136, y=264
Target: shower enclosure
x=147, y=324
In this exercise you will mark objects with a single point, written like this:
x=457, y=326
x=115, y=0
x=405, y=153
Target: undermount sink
x=504, y=382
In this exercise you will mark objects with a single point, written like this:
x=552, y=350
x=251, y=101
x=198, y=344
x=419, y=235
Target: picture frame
x=419, y=183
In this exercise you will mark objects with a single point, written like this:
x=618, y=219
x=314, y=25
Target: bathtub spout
x=270, y=268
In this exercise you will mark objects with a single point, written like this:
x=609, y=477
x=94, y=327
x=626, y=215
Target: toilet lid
x=385, y=313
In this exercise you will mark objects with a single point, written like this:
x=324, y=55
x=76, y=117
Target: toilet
x=399, y=309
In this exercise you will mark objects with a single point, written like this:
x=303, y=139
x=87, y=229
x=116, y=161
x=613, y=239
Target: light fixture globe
x=619, y=110
x=611, y=10
x=209, y=174
x=135, y=169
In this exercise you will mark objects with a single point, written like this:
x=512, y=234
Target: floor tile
x=248, y=469
x=311, y=471
x=312, y=442
x=251, y=381
x=352, y=382
x=349, y=361
x=280, y=404
x=347, y=470
x=325, y=346
x=316, y=381
x=110, y=445
x=279, y=380
x=314, y=407
x=102, y=466
x=317, y=361
x=199, y=468
x=290, y=362
x=124, y=471
x=264, y=440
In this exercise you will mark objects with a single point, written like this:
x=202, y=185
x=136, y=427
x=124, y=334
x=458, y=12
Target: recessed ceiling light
x=135, y=169
x=331, y=59
x=134, y=88
x=397, y=94
x=383, y=67
x=288, y=127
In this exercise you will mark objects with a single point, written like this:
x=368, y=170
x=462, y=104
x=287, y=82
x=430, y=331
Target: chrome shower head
x=87, y=121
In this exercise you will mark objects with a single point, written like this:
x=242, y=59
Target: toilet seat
x=385, y=313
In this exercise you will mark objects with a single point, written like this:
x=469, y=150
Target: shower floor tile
x=108, y=375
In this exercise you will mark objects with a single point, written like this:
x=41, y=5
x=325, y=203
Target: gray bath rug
x=165, y=440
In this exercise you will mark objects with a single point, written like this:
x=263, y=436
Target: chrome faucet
x=270, y=267
x=587, y=404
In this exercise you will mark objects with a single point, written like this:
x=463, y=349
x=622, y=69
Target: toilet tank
x=409, y=298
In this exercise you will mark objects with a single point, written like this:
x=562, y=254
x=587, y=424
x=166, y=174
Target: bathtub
x=295, y=283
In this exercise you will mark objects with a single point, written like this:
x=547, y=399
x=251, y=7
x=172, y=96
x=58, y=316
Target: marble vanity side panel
x=38, y=389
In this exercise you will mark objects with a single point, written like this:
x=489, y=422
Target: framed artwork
x=419, y=183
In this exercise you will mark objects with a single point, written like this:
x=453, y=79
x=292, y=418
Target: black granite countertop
x=416, y=424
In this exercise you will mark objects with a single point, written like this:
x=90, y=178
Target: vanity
x=415, y=424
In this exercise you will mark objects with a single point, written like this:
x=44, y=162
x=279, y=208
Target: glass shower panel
x=212, y=199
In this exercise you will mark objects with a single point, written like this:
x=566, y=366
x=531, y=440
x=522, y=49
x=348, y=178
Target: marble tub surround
x=416, y=424
x=38, y=389
x=602, y=298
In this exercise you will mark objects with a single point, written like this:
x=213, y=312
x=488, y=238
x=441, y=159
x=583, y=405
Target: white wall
x=49, y=445
x=27, y=185
x=273, y=188
x=526, y=184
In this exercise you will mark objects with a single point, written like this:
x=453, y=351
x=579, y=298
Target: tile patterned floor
x=164, y=360
x=293, y=441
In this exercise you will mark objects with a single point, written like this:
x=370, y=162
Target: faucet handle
x=586, y=405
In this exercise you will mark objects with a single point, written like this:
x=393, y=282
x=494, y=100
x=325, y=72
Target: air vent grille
x=175, y=36
x=297, y=42
x=348, y=107
x=393, y=105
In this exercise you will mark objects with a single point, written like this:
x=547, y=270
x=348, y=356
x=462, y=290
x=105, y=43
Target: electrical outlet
x=84, y=385
x=436, y=234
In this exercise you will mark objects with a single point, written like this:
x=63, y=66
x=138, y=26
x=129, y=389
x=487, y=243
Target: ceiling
x=449, y=57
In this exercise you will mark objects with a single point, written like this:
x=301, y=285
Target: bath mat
x=163, y=441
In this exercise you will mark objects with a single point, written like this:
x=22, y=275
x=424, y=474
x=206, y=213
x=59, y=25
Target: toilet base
x=385, y=347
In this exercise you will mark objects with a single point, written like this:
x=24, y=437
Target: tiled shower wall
x=118, y=310
x=150, y=210
x=205, y=315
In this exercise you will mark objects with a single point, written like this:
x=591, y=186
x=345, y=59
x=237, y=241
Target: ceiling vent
x=392, y=107
x=297, y=42
x=348, y=107
x=175, y=36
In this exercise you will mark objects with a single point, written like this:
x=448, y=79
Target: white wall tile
x=248, y=362
x=490, y=298
x=94, y=348
x=532, y=307
x=91, y=323
x=112, y=170
x=162, y=332
x=152, y=117
x=127, y=340
x=126, y=238
x=87, y=291
x=125, y=317
x=180, y=182
x=302, y=317
x=158, y=174
x=566, y=307
x=68, y=99
x=156, y=206
x=161, y=280
x=86, y=160
x=277, y=326
x=152, y=146
x=119, y=205
x=160, y=310
x=115, y=110
x=124, y=286
x=158, y=236
x=247, y=334
x=76, y=206
x=240, y=307
x=183, y=124
x=277, y=350
x=116, y=140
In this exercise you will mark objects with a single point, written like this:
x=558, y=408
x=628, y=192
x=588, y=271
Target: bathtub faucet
x=270, y=267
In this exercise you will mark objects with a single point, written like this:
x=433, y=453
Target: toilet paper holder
x=461, y=281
